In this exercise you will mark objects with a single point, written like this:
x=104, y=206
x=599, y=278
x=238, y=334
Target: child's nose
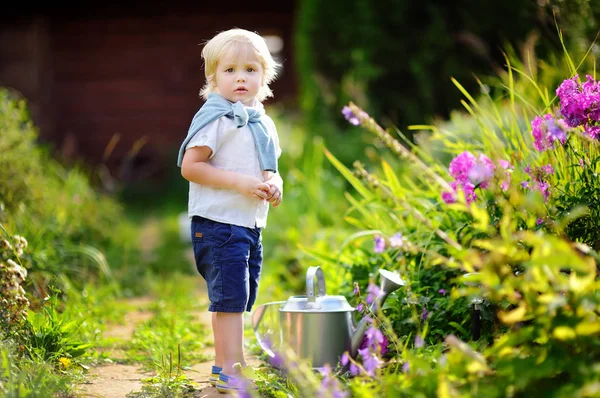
x=241, y=77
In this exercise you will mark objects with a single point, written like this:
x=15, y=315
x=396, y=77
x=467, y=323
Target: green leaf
x=392, y=179
x=564, y=333
x=587, y=328
x=459, y=327
x=356, y=183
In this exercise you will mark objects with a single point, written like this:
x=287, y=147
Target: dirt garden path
x=113, y=380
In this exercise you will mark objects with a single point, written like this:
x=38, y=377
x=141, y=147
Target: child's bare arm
x=195, y=169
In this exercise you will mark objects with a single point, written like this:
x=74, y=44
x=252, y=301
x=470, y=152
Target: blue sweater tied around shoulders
x=216, y=107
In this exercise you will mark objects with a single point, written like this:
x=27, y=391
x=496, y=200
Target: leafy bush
x=494, y=228
x=73, y=230
x=22, y=377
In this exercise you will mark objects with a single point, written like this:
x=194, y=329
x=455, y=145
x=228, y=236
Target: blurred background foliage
x=395, y=58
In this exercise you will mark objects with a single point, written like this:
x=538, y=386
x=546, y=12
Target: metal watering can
x=318, y=327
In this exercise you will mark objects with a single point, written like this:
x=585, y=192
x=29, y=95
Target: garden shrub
x=13, y=273
x=72, y=228
x=504, y=209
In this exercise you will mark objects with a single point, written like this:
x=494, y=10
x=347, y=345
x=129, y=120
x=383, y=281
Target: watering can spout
x=390, y=281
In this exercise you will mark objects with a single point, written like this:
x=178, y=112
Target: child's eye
x=250, y=70
x=229, y=70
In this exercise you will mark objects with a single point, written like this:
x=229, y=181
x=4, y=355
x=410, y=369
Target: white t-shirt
x=233, y=150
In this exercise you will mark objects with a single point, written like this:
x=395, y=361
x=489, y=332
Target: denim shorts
x=229, y=258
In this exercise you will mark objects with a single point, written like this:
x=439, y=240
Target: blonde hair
x=238, y=40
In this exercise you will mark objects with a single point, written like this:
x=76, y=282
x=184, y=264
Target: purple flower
x=557, y=130
x=370, y=361
x=539, y=221
x=442, y=291
x=461, y=165
x=547, y=170
x=419, y=342
x=406, y=367
x=539, y=176
x=424, y=314
x=579, y=103
x=356, y=289
x=359, y=307
x=544, y=188
x=448, y=197
x=350, y=116
x=467, y=188
x=469, y=173
x=277, y=360
x=593, y=131
x=354, y=370
x=373, y=291
x=329, y=385
x=581, y=162
x=345, y=359
x=396, y=240
x=241, y=384
x=379, y=244
x=481, y=172
x=374, y=336
x=339, y=394
x=571, y=105
x=375, y=340
x=546, y=131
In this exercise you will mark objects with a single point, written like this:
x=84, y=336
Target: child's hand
x=253, y=187
x=275, y=194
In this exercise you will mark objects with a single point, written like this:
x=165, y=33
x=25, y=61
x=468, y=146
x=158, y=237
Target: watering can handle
x=257, y=317
x=310, y=283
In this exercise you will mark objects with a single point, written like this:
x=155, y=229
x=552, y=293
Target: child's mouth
x=241, y=90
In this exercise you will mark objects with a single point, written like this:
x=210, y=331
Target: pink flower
x=580, y=103
x=469, y=173
x=448, y=197
x=461, y=165
x=593, y=131
x=505, y=164
x=546, y=131
x=539, y=179
x=481, y=172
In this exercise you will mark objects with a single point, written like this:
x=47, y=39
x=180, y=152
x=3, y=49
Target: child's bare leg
x=218, y=342
x=231, y=330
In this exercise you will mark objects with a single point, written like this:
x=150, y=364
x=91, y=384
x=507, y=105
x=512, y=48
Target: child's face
x=239, y=76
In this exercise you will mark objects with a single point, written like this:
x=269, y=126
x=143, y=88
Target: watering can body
x=316, y=327
x=319, y=337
